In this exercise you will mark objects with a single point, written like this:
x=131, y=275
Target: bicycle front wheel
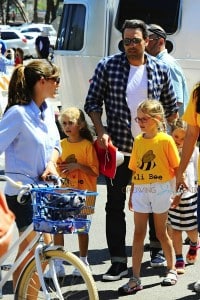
x=69, y=287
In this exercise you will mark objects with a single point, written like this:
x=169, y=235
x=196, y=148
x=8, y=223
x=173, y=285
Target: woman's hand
x=50, y=170
x=180, y=181
x=177, y=197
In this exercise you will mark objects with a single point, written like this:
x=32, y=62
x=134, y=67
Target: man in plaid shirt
x=121, y=82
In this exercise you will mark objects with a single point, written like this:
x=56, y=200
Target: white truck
x=90, y=30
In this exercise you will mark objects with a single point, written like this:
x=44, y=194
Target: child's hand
x=175, y=201
x=67, y=167
x=61, y=166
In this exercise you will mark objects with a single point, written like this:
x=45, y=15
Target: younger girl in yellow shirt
x=79, y=166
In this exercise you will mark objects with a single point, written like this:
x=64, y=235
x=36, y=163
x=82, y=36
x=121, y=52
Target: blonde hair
x=179, y=124
x=76, y=115
x=154, y=109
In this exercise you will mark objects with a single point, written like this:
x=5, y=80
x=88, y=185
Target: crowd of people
x=9, y=56
x=150, y=119
x=122, y=81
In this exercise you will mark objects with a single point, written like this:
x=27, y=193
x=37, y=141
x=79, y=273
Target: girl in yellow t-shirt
x=79, y=166
x=154, y=161
x=184, y=216
x=192, y=117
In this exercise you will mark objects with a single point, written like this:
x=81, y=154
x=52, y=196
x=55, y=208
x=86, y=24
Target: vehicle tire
x=72, y=287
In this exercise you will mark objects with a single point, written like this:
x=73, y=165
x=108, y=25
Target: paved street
x=99, y=260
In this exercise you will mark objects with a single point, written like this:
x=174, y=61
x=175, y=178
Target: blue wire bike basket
x=62, y=210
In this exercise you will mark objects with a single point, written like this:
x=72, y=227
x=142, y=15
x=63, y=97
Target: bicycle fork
x=38, y=252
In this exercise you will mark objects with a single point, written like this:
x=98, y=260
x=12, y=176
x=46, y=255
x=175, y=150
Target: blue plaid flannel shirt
x=108, y=86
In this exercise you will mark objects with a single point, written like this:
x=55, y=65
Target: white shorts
x=153, y=197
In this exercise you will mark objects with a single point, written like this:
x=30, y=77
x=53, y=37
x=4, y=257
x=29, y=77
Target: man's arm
x=172, y=118
x=102, y=136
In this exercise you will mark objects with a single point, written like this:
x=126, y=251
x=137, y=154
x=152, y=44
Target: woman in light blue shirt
x=28, y=132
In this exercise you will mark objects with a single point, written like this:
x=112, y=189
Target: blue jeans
x=115, y=216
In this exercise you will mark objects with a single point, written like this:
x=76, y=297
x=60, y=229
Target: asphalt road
x=99, y=260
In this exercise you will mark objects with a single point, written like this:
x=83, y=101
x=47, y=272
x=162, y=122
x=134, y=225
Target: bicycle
x=55, y=210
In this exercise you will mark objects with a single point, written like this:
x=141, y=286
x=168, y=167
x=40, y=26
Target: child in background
x=19, y=56
x=184, y=216
x=154, y=161
x=78, y=164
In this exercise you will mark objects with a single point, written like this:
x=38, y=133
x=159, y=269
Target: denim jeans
x=115, y=216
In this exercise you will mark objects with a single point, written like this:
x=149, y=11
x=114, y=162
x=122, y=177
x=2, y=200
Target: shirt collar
x=39, y=111
x=159, y=56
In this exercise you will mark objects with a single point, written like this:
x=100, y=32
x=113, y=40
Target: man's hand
x=103, y=140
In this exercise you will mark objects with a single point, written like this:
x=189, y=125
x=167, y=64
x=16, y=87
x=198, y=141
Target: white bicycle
x=55, y=210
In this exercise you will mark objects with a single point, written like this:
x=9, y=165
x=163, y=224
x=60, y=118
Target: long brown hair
x=196, y=96
x=24, y=78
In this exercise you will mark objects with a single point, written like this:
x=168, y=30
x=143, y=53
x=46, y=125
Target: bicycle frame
x=40, y=248
x=20, y=258
x=37, y=253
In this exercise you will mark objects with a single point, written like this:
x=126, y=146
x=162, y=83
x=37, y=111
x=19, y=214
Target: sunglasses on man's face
x=128, y=41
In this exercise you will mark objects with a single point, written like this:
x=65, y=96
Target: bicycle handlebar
x=15, y=184
x=26, y=188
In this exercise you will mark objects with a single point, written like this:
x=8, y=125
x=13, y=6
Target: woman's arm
x=190, y=140
x=51, y=165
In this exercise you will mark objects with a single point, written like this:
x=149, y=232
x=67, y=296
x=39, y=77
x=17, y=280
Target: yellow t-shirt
x=84, y=153
x=192, y=118
x=153, y=160
x=190, y=115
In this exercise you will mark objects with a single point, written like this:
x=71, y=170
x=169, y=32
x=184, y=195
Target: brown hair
x=135, y=24
x=24, y=78
x=178, y=123
x=196, y=96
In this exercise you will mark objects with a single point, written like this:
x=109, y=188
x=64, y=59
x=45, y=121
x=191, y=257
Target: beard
x=133, y=54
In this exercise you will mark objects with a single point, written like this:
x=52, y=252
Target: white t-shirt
x=136, y=92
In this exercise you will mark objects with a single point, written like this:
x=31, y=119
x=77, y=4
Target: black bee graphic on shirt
x=147, y=163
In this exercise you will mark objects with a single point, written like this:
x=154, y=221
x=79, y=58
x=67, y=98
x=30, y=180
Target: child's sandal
x=170, y=279
x=126, y=289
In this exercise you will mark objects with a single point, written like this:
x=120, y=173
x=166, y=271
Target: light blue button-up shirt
x=178, y=79
x=4, y=62
x=28, y=137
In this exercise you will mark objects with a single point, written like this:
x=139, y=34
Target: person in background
x=154, y=161
x=184, y=216
x=19, y=56
x=4, y=62
x=29, y=135
x=157, y=48
x=79, y=167
x=192, y=117
x=10, y=53
x=13, y=16
x=42, y=45
x=121, y=82
x=3, y=45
